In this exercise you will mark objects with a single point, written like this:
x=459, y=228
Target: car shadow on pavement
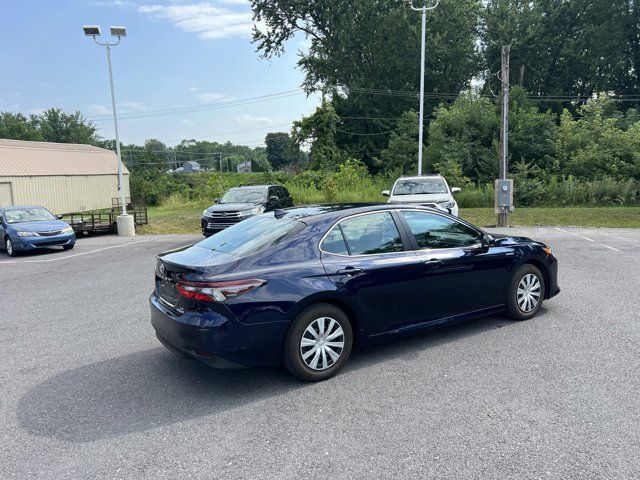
x=151, y=388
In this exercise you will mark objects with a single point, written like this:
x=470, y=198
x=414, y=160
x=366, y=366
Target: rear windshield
x=420, y=186
x=252, y=235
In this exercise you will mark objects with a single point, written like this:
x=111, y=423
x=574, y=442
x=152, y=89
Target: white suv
x=429, y=190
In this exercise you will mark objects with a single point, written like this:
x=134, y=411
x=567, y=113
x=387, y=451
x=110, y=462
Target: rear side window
x=365, y=235
x=252, y=235
x=285, y=192
x=334, y=242
x=435, y=231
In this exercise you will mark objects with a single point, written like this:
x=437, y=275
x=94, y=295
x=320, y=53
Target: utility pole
x=504, y=188
x=424, y=9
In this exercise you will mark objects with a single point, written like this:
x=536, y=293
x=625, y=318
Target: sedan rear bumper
x=216, y=340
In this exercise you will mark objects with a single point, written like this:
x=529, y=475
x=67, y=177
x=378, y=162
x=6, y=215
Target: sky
x=178, y=54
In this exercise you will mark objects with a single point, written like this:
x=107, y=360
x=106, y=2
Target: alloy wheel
x=528, y=294
x=9, y=247
x=322, y=343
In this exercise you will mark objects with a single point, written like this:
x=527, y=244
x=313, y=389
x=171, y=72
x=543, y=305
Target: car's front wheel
x=8, y=245
x=526, y=293
x=318, y=343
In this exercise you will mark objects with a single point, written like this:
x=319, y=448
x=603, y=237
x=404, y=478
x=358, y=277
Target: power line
x=202, y=107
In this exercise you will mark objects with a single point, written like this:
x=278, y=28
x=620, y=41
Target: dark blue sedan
x=302, y=286
x=31, y=227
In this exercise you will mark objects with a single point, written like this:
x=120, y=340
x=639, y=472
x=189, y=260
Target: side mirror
x=485, y=243
x=216, y=200
x=273, y=198
x=456, y=190
x=386, y=193
x=59, y=217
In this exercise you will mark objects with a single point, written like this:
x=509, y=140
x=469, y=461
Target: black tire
x=293, y=350
x=8, y=246
x=68, y=247
x=520, y=308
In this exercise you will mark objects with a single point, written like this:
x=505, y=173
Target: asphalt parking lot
x=88, y=392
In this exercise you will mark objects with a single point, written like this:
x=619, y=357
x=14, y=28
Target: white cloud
x=123, y=107
x=128, y=106
x=254, y=120
x=188, y=122
x=207, y=20
x=193, y=89
x=212, y=97
x=96, y=109
x=112, y=3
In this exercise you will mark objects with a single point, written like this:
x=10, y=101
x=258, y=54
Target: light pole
x=424, y=9
x=125, y=222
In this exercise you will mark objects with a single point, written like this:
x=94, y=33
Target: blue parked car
x=31, y=227
x=302, y=286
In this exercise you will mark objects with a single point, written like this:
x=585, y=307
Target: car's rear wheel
x=8, y=245
x=319, y=343
x=526, y=293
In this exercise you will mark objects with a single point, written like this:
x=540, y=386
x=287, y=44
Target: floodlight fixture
x=91, y=30
x=118, y=31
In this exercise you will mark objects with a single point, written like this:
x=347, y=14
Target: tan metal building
x=62, y=177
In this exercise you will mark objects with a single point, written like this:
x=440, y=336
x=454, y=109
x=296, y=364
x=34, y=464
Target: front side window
x=421, y=186
x=35, y=214
x=366, y=235
x=434, y=231
x=252, y=235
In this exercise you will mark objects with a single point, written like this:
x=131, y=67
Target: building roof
x=26, y=159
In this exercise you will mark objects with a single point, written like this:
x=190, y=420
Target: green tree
x=281, y=150
x=593, y=145
x=402, y=153
x=15, y=126
x=319, y=130
x=54, y=125
x=567, y=48
x=365, y=55
x=466, y=134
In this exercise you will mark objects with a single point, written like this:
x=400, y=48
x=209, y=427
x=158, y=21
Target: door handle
x=350, y=271
x=434, y=262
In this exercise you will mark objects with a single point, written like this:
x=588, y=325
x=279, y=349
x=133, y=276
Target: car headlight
x=27, y=234
x=67, y=230
x=448, y=204
x=205, y=213
x=253, y=211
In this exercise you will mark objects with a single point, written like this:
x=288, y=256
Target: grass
x=610, y=217
x=174, y=218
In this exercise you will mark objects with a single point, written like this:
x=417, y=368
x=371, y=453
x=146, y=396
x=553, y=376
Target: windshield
x=34, y=214
x=420, y=186
x=252, y=235
x=244, y=195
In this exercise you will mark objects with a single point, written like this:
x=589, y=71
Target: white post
x=115, y=126
x=422, y=58
x=424, y=9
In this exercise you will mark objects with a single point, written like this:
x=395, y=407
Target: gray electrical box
x=504, y=194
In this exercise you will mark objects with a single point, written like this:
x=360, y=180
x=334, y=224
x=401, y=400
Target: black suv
x=242, y=202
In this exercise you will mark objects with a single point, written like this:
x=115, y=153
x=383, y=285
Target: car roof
x=18, y=207
x=418, y=177
x=254, y=186
x=324, y=212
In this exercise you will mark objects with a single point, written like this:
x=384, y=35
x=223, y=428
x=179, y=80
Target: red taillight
x=217, y=291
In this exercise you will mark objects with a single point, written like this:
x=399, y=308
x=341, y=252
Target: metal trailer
x=104, y=221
